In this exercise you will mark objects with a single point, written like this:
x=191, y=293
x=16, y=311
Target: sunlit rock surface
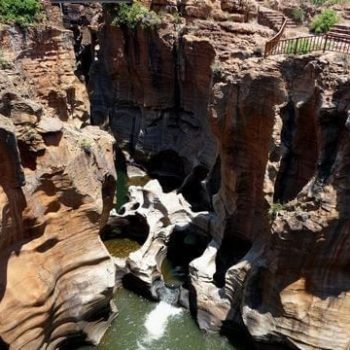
x=57, y=183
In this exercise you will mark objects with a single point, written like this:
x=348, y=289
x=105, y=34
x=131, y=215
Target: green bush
x=274, y=209
x=133, y=15
x=4, y=64
x=86, y=145
x=298, y=15
x=324, y=22
x=21, y=12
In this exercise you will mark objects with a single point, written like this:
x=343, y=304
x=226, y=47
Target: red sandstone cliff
x=277, y=261
x=57, y=183
x=271, y=133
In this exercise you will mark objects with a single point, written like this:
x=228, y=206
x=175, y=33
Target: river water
x=145, y=325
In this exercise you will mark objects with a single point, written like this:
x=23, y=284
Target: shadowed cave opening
x=168, y=168
x=185, y=245
x=299, y=132
x=231, y=251
x=123, y=235
x=194, y=191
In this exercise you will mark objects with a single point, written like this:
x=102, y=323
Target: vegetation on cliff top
x=324, y=21
x=133, y=15
x=4, y=64
x=21, y=12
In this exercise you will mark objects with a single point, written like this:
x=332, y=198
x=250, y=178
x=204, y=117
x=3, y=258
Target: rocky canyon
x=163, y=122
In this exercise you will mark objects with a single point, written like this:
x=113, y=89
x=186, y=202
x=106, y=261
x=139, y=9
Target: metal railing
x=307, y=44
x=272, y=43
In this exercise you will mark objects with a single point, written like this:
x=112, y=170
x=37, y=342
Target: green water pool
x=144, y=325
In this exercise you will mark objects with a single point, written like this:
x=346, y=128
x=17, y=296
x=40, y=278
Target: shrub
x=86, y=145
x=324, y=22
x=4, y=64
x=298, y=15
x=177, y=17
x=133, y=15
x=329, y=2
x=275, y=208
x=21, y=12
x=217, y=70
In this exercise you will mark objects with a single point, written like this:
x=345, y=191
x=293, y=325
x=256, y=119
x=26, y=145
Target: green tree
x=22, y=12
x=133, y=15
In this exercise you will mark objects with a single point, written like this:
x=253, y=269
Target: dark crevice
x=134, y=227
x=194, y=191
x=28, y=157
x=300, y=148
x=3, y=345
x=184, y=246
x=288, y=129
x=168, y=168
x=214, y=179
x=231, y=251
x=332, y=126
x=138, y=286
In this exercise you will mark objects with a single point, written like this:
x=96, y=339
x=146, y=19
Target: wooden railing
x=272, y=43
x=307, y=44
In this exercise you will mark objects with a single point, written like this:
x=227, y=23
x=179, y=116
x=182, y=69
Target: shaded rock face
x=288, y=283
x=57, y=184
x=152, y=89
x=303, y=277
x=264, y=143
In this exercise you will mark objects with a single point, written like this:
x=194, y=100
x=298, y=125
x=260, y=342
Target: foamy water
x=156, y=323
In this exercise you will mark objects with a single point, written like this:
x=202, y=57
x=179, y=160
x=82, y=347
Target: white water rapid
x=156, y=321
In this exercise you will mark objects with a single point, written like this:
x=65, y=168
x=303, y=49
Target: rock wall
x=146, y=86
x=304, y=297
x=281, y=192
x=191, y=99
x=57, y=183
x=275, y=129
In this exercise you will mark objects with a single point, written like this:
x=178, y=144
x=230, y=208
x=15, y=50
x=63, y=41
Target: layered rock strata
x=272, y=133
x=57, y=183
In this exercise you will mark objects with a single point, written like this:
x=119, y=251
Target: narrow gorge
x=164, y=184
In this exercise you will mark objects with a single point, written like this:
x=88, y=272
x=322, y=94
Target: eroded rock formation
x=272, y=133
x=57, y=183
x=163, y=214
x=250, y=152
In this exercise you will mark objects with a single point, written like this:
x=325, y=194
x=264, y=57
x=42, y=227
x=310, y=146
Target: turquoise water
x=144, y=325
